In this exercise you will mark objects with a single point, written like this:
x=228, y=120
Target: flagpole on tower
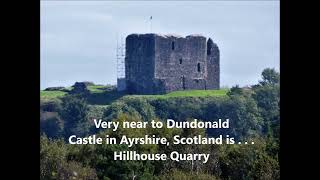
x=150, y=24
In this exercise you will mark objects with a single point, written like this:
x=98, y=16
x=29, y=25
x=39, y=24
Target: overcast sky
x=79, y=38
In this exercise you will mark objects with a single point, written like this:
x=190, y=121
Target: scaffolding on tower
x=120, y=56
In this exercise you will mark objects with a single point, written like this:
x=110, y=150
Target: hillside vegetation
x=254, y=115
x=188, y=93
x=51, y=95
x=104, y=95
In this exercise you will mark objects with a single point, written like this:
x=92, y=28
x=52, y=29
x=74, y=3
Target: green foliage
x=74, y=170
x=267, y=96
x=135, y=107
x=51, y=124
x=104, y=95
x=50, y=106
x=119, y=107
x=142, y=107
x=52, y=154
x=101, y=156
x=182, y=108
x=270, y=76
x=108, y=168
x=74, y=113
x=180, y=175
x=54, y=164
x=196, y=165
x=100, y=88
x=248, y=162
x=236, y=90
x=268, y=101
x=187, y=93
x=244, y=116
x=51, y=95
x=253, y=113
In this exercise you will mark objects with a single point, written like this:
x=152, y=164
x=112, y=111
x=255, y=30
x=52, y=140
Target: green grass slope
x=104, y=95
x=51, y=95
x=188, y=93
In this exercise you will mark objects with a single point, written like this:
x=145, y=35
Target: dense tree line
x=253, y=113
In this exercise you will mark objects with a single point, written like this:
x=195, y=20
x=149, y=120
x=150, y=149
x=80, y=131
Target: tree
x=74, y=113
x=52, y=154
x=270, y=76
x=268, y=101
x=267, y=96
x=248, y=162
x=51, y=124
x=235, y=90
x=244, y=116
x=75, y=170
x=54, y=163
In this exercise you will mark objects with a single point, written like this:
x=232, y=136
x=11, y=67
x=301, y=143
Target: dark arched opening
x=183, y=81
x=209, y=46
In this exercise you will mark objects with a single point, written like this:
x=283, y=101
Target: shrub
x=51, y=124
x=74, y=170
x=180, y=175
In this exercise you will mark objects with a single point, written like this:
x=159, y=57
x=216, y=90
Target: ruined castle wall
x=180, y=63
x=213, y=65
x=157, y=64
x=139, y=63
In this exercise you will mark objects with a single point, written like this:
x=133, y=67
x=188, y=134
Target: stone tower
x=157, y=64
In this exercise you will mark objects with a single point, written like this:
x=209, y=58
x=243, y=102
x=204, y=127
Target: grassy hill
x=188, y=93
x=104, y=95
x=51, y=95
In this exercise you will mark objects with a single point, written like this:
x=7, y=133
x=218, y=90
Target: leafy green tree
x=51, y=125
x=270, y=76
x=117, y=108
x=52, y=155
x=142, y=107
x=179, y=108
x=54, y=163
x=242, y=162
x=249, y=110
x=75, y=170
x=268, y=101
x=101, y=156
x=235, y=90
x=50, y=106
x=192, y=166
x=176, y=174
x=267, y=96
x=74, y=113
x=244, y=116
x=242, y=112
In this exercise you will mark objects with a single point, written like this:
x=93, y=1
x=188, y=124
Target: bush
x=74, y=170
x=60, y=88
x=248, y=162
x=180, y=175
x=52, y=154
x=50, y=106
x=74, y=112
x=51, y=124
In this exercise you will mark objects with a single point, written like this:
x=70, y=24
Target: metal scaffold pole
x=120, y=56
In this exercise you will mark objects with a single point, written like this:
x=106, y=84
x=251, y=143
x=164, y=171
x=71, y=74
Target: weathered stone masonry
x=157, y=64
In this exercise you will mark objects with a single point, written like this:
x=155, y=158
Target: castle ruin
x=158, y=64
